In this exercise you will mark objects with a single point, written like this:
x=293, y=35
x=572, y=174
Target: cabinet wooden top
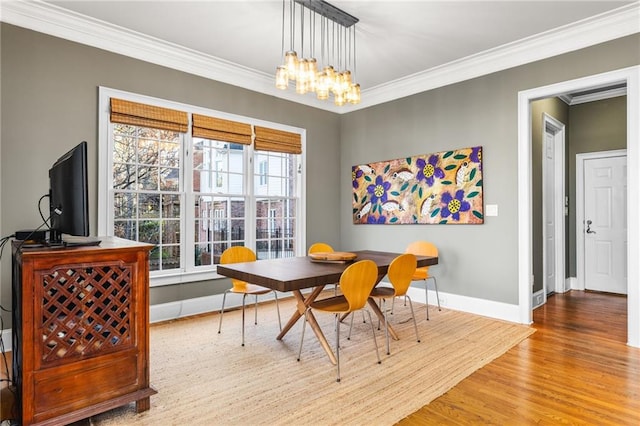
x=108, y=243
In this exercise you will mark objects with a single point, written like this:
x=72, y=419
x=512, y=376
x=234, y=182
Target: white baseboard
x=472, y=305
x=537, y=298
x=201, y=305
x=6, y=339
x=571, y=283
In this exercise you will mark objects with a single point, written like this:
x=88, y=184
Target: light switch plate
x=491, y=210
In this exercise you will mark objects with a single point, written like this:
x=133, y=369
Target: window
x=197, y=187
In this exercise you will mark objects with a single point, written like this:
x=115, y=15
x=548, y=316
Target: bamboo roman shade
x=221, y=130
x=277, y=141
x=137, y=114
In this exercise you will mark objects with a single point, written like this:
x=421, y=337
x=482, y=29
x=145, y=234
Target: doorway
x=630, y=77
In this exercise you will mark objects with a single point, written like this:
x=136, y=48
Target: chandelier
x=322, y=28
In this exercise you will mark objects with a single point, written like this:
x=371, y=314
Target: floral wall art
x=440, y=188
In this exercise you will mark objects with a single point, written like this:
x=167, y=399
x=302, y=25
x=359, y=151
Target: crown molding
x=591, y=97
x=53, y=20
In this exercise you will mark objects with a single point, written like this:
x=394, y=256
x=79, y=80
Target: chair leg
x=244, y=296
x=255, y=320
x=351, y=326
x=278, y=309
x=426, y=298
x=338, y=346
x=435, y=285
x=415, y=324
x=375, y=342
x=304, y=327
x=224, y=297
x=386, y=324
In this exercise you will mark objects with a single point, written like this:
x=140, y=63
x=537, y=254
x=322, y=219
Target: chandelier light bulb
x=282, y=77
x=291, y=62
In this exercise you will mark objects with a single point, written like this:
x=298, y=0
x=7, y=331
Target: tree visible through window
x=146, y=190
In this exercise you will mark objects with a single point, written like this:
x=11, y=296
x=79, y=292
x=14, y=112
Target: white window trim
x=105, y=178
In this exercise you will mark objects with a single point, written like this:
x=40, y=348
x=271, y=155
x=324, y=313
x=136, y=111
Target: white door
x=553, y=205
x=605, y=224
x=548, y=180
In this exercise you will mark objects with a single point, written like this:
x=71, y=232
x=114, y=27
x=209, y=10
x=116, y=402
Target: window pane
x=237, y=230
x=171, y=206
x=149, y=231
x=203, y=255
x=125, y=229
x=170, y=154
x=170, y=257
x=149, y=205
x=124, y=205
x=169, y=179
x=148, y=152
x=124, y=150
x=235, y=184
x=218, y=248
x=124, y=176
x=171, y=232
x=154, y=259
x=148, y=178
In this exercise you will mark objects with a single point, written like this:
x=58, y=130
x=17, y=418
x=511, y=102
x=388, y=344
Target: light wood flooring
x=576, y=369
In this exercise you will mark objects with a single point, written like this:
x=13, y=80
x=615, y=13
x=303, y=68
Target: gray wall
x=49, y=103
x=476, y=260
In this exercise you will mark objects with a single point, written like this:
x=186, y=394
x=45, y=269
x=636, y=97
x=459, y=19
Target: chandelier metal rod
x=329, y=11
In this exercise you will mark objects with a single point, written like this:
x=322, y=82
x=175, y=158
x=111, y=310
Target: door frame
x=558, y=199
x=580, y=161
x=631, y=77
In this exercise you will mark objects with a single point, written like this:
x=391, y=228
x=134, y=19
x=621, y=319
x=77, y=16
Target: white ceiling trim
x=59, y=22
x=591, y=97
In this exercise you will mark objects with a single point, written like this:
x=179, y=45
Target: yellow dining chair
x=400, y=273
x=424, y=248
x=356, y=283
x=323, y=248
x=239, y=254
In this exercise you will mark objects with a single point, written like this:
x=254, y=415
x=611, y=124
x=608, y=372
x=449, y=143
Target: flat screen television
x=68, y=195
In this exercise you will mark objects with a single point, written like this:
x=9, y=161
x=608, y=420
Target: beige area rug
x=205, y=378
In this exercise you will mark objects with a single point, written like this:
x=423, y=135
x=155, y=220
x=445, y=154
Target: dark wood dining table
x=297, y=273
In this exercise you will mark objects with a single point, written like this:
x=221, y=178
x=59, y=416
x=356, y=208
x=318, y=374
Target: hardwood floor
x=576, y=369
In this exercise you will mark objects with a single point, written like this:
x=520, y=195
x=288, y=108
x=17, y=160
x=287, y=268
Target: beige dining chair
x=400, y=273
x=239, y=254
x=424, y=248
x=356, y=283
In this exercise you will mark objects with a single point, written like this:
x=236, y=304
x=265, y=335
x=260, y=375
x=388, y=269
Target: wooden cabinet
x=80, y=330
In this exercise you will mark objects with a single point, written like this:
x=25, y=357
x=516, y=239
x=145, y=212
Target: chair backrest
x=422, y=248
x=401, y=272
x=357, y=281
x=237, y=254
x=320, y=248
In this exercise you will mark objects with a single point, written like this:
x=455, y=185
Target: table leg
x=302, y=304
x=311, y=319
x=376, y=310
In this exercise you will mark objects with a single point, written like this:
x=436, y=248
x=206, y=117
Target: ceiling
x=398, y=42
